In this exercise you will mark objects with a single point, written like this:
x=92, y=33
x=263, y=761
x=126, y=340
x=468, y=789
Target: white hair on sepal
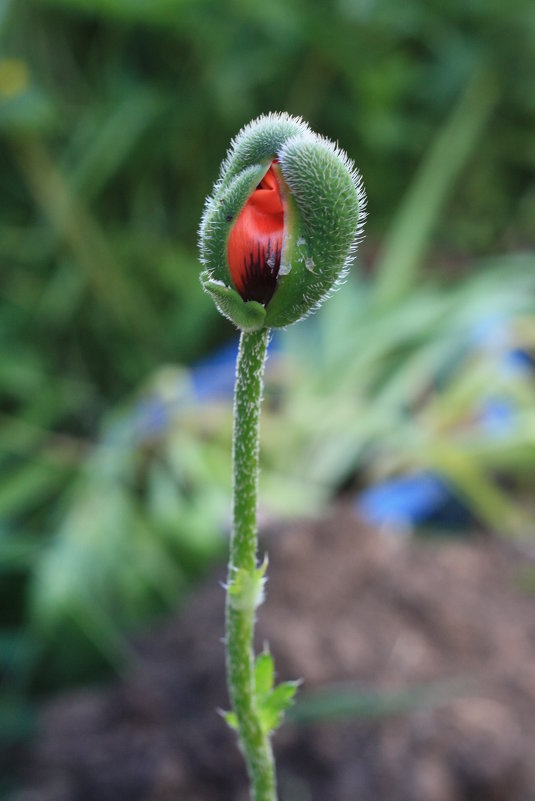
x=263, y=121
x=358, y=183
x=354, y=172
x=356, y=178
x=270, y=117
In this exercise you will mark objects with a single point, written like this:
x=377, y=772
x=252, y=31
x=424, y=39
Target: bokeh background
x=412, y=393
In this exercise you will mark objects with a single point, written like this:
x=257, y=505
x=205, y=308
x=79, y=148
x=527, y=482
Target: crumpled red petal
x=255, y=241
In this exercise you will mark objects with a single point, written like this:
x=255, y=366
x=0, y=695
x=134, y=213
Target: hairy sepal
x=220, y=212
x=327, y=196
x=259, y=142
x=246, y=315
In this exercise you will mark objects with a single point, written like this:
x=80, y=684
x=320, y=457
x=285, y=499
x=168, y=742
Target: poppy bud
x=280, y=229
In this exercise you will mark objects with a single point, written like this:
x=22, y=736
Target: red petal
x=255, y=241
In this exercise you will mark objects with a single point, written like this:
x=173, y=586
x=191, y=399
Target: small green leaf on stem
x=273, y=705
x=264, y=674
x=230, y=718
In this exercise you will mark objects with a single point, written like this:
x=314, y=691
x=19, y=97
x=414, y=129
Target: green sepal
x=218, y=218
x=326, y=199
x=247, y=315
x=259, y=142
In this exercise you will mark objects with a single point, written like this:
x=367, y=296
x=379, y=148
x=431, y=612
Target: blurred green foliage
x=114, y=117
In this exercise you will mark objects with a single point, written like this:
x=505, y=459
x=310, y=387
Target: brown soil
x=344, y=605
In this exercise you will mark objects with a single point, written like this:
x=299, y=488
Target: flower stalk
x=245, y=579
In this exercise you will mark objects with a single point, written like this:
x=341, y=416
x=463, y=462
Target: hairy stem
x=244, y=579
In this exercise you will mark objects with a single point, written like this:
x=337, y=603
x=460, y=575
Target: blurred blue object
x=497, y=417
x=518, y=361
x=410, y=500
x=425, y=498
x=213, y=377
x=173, y=390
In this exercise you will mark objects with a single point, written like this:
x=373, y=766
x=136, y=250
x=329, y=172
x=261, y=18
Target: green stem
x=244, y=579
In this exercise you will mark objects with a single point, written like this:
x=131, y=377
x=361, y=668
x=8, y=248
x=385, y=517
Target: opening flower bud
x=282, y=225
